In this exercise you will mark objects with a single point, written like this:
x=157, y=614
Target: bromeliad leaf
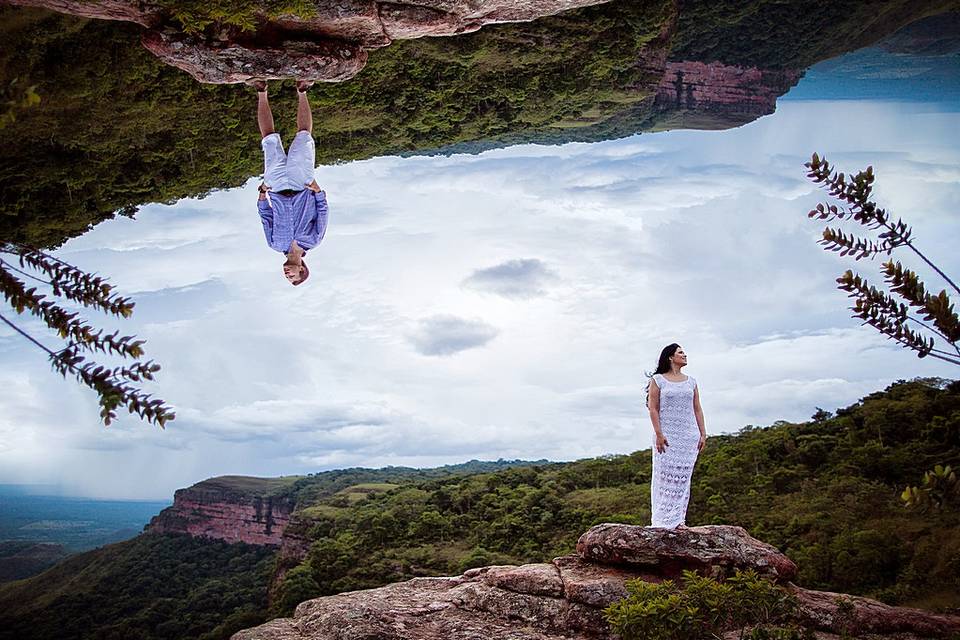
x=876, y=307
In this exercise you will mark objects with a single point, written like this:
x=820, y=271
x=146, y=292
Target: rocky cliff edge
x=565, y=598
x=330, y=44
x=229, y=508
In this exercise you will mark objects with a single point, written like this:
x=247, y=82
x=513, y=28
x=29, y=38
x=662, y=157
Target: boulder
x=536, y=579
x=714, y=550
x=593, y=584
x=320, y=59
x=462, y=608
x=859, y=615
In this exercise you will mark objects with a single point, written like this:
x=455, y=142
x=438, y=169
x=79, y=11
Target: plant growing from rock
x=876, y=307
x=197, y=15
x=16, y=95
x=112, y=384
x=700, y=607
x=845, y=619
x=940, y=490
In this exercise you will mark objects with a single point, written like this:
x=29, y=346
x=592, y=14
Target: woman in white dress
x=674, y=403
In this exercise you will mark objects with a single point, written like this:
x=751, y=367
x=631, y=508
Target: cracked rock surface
x=565, y=598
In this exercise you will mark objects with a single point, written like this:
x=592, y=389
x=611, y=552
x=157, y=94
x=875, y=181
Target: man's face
x=293, y=273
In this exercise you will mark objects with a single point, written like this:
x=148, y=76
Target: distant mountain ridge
x=28, y=514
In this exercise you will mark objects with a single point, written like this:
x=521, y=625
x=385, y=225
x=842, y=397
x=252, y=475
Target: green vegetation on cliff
x=792, y=34
x=248, y=485
x=116, y=127
x=696, y=607
x=196, y=15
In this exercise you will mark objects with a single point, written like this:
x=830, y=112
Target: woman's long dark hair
x=663, y=364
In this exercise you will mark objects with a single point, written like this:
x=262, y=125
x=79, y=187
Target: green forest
x=153, y=586
x=827, y=492
x=116, y=128
x=787, y=34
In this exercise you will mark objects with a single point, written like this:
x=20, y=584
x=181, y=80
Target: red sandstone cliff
x=695, y=95
x=229, y=508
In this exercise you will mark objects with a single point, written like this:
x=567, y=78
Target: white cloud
x=444, y=335
x=519, y=278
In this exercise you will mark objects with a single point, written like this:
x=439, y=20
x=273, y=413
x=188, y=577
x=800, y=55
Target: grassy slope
x=249, y=485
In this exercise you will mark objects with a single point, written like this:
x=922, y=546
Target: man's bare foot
x=256, y=83
x=303, y=85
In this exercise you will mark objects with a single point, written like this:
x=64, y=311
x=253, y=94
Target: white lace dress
x=672, y=469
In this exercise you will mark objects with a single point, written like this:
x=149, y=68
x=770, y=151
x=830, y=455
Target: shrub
x=701, y=607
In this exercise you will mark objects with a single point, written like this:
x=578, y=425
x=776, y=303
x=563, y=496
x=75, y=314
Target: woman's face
x=679, y=358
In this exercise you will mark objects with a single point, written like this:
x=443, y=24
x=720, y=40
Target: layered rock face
x=207, y=510
x=294, y=547
x=330, y=45
x=695, y=95
x=565, y=598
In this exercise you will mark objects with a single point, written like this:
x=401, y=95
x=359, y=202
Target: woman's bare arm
x=654, y=406
x=698, y=411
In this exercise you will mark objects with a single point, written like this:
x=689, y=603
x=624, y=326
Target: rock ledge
x=565, y=598
x=331, y=45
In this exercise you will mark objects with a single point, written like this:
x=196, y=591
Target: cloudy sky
x=500, y=305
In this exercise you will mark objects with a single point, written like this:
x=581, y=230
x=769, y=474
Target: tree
x=112, y=384
x=298, y=585
x=875, y=307
x=820, y=415
x=430, y=526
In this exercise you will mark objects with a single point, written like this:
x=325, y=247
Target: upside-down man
x=292, y=206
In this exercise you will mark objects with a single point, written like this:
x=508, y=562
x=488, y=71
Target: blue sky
x=499, y=305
